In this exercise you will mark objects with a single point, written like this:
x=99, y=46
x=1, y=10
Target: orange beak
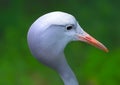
x=92, y=41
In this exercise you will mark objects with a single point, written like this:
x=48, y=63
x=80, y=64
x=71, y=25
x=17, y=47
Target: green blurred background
x=100, y=18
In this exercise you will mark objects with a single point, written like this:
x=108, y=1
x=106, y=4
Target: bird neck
x=66, y=73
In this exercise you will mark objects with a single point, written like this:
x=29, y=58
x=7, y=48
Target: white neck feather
x=66, y=73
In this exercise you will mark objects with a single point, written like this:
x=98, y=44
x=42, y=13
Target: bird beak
x=85, y=37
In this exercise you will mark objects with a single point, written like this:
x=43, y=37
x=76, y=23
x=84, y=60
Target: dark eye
x=69, y=27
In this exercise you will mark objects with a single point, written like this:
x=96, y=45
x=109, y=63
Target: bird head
x=50, y=33
x=62, y=27
x=48, y=36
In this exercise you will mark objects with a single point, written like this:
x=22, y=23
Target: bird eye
x=69, y=27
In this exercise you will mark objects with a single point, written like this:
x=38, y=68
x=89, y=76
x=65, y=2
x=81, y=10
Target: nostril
x=88, y=38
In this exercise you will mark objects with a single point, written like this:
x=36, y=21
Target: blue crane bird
x=48, y=36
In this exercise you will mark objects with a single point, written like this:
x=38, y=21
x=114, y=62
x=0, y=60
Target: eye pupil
x=69, y=27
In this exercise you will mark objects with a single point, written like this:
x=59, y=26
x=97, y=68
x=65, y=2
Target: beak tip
x=106, y=50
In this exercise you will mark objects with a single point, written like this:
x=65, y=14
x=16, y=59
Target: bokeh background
x=100, y=18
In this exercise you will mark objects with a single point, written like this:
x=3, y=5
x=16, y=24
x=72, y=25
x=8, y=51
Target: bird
x=48, y=36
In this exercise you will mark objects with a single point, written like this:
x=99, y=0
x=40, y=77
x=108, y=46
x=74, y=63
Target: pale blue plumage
x=48, y=36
